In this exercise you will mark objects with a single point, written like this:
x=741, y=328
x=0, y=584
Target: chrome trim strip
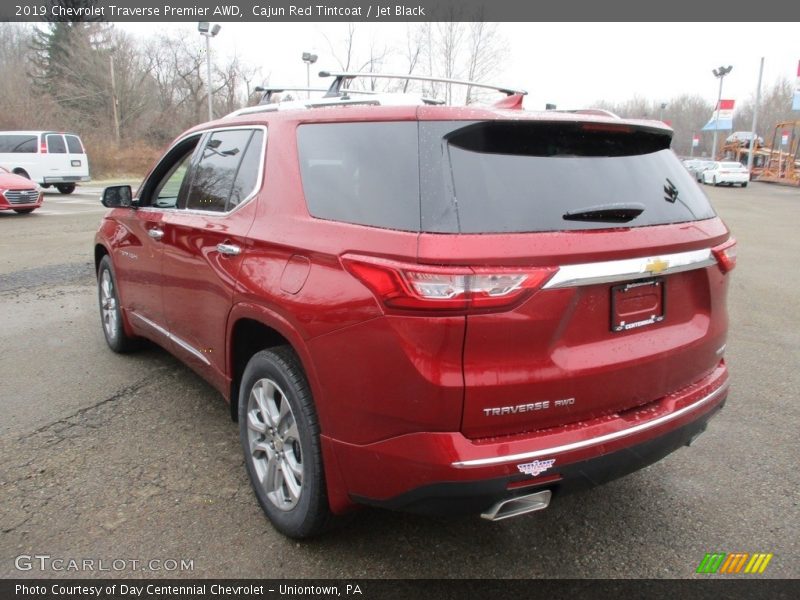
x=626, y=269
x=193, y=351
x=495, y=460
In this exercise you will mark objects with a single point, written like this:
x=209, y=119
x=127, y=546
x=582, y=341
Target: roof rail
x=340, y=79
x=270, y=91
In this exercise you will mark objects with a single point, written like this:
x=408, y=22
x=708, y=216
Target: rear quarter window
x=362, y=173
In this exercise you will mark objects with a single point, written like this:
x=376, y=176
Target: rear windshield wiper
x=610, y=213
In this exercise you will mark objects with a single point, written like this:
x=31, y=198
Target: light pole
x=661, y=111
x=207, y=31
x=719, y=74
x=309, y=59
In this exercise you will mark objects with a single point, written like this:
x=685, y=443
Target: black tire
x=65, y=188
x=744, y=184
x=24, y=211
x=22, y=173
x=276, y=376
x=714, y=181
x=46, y=185
x=111, y=313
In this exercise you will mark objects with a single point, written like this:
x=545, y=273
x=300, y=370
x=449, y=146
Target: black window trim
x=204, y=134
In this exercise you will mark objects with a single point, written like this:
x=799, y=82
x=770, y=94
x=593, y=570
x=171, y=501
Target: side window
x=167, y=182
x=215, y=176
x=249, y=169
x=18, y=143
x=169, y=188
x=55, y=144
x=74, y=144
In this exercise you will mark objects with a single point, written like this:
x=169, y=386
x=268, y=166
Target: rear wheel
x=111, y=310
x=714, y=181
x=24, y=211
x=22, y=173
x=66, y=188
x=279, y=433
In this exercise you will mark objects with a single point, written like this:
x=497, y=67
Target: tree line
x=128, y=97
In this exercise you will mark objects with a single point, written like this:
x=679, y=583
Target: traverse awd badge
x=536, y=467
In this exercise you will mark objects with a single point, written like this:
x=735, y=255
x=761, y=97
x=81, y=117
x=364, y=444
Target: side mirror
x=117, y=196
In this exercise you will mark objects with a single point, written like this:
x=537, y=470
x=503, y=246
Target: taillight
x=726, y=255
x=459, y=289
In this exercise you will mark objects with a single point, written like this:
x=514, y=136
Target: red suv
x=428, y=308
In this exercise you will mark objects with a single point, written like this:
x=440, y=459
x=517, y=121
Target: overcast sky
x=570, y=64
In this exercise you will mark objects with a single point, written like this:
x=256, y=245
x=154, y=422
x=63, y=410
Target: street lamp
x=207, y=31
x=719, y=74
x=309, y=59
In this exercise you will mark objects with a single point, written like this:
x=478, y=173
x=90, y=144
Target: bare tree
x=486, y=50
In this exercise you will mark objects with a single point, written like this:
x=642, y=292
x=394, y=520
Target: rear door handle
x=155, y=233
x=229, y=249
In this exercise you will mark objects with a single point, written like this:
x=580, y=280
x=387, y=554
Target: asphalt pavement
x=134, y=458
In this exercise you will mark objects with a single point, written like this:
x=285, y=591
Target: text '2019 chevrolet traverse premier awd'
x=428, y=308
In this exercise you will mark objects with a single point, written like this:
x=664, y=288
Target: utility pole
x=207, y=31
x=751, y=154
x=114, y=100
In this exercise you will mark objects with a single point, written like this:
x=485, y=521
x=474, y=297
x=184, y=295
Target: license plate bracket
x=638, y=304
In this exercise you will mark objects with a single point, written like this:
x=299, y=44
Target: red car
x=18, y=193
x=428, y=308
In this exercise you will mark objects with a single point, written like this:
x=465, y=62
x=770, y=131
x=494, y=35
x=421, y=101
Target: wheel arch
x=252, y=328
x=99, y=252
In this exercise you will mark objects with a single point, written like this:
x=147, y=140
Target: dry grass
x=128, y=161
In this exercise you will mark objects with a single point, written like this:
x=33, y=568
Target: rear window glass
x=502, y=176
x=365, y=173
x=74, y=144
x=495, y=176
x=18, y=143
x=55, y=144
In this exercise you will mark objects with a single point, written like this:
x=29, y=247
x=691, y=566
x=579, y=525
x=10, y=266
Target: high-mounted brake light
x=451, y=289
x=43, y=146
x=726, y=255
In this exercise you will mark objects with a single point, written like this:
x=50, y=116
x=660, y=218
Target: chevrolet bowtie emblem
x=656, y=266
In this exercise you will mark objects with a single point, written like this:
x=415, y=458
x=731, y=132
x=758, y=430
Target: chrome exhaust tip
x=520, y=505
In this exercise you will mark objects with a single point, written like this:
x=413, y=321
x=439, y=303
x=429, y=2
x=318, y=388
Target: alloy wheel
x=274, y=442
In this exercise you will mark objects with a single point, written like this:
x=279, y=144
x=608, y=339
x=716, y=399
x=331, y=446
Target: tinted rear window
x=18, y=143
x=74, y=144
x=55, y=144
x=496, y=176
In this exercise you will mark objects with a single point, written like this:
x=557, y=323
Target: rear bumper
x=66, y=179
x=446, y=473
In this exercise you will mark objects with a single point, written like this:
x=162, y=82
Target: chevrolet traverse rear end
x=441, y=309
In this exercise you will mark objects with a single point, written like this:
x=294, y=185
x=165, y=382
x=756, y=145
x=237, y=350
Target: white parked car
x=729, y=173
x=46, y=157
